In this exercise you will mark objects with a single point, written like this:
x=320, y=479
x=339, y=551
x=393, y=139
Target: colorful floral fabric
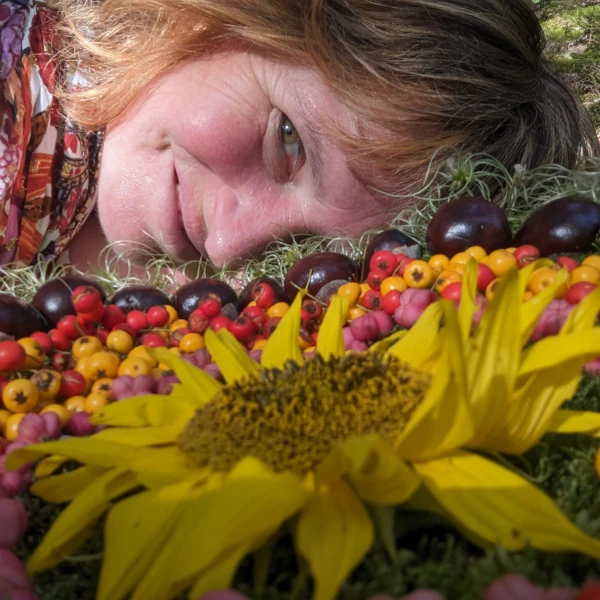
x=48, y=166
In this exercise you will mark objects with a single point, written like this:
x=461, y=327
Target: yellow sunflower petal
x=551, y=352
x=387, y=342
x=238, y=350
x=135, y=531
x=232, y=368
x=74, y=523
x=532, y=310
x=63, y=488
x=330, y=342
x=283, y=343
x=220, y=575
x=141, y=436
x=334, y=533
x=443, y=421
x=48, y=465
x=125, y=413
x=201, y=384
x=466, y=308
x=377, y=474
x=493, y=359
x=575, y=421
x=501, y=507
x=85, y=450
x=420, y=347
x=249, y=504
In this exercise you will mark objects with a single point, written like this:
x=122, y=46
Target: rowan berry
x=210, y=306
x=372, y=300
x=20, y=395
x=96, y=401
x=85, y=346
x=86, y=299
x=476, y=252
x=391, y=301
x=438, y=263
x=385, y=261
x=75, y=403
x=445, y=278
x=418, y=274
x=376, y=277
x=35, y=355
x=12, y=356
x=278, y=309
x=44, y=340
x=500, y=262
x=11, y=427
x=153, y=340
x=191, y=342
x=134, y=366
x=60, y=341
x=585, y=273
x=158, y=316
x=351, y=291
x=102, y=364
x=119, y=341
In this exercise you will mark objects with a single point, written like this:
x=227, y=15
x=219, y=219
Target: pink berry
x=13, y=522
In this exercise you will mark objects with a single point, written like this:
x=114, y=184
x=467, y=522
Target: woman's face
x=220, y=154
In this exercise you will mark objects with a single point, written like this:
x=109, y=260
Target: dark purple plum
x=188, y=296
x=465, y=222
x=317, y=270
x=246, y=293
x=564, y=225
x=53, y=299
x=19, y=319
x=139, y=297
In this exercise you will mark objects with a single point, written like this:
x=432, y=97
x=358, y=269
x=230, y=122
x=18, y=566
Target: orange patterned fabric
x=48, y=166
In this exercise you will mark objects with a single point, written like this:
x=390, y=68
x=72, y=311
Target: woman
x=224, y=122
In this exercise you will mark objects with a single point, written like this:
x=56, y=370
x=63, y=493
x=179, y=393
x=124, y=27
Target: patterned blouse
x=48, y=167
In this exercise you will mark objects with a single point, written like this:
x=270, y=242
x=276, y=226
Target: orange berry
x=278, y=309
x=461, y=258
x=119, y=341
x=259, y=344
x=528, y=296
x=476, y=252
x=178, y=324
x=134, y=366
x=104, y=384
x=459, y=268
x=418, y=274
x=20, y=395
x=191, y=342
x=597, y=462
x=500, y=262
x=11, y=427
x=176, y=350
x=490, y=290
x=64, y=414
x=4, y=415
x=95, y=401
x=75, y=404
x=103, y=364
x=355, y=312
x=173, y=316
x=542, y=278
x=585, y=273
x=593, y=261
x=142, y=352
x=364, y=288
x=303, y=343
x=34, y=352
x=446, y=278
x=392, y=283
x=48, y=382
x=438, y=263
x=351, y=291
x=511, y=249
x=85, y=346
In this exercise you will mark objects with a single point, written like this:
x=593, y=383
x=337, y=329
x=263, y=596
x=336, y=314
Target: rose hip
x=137, y=320
x=86, y=299
x=210, y=306
x=157, y=316
x=385, y=261
x=243, y=328
x=12, y=356
x=372, y=300
x=376, y=276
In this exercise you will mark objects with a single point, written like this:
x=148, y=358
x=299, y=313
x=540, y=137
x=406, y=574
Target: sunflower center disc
x=292, y=419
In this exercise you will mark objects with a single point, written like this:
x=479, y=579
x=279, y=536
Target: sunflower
x=194, y=481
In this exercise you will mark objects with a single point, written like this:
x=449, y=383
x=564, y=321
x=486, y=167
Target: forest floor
x=573, y=32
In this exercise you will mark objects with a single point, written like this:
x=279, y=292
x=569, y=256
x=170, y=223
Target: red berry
x=376, y=276
x=137, y=320
x=578, y=291
x=85, y=326
x=73, y=383
x=243, y=328
x=452, y=291
x=263, y=295
x=526, y=254
x=176, y=336
x=93, y=317
x=402, y=261
x=210, y=306
x=60, y=341
x=270, y=326
x=157, y=316
x=372, y=300
x=305, y=318
x=153, y=340
x=86, y=299
x=220, y=322
x=125, y=327
x=314, y=309
x=112, y=316
x=102, y=334
x=68, y=326
x=485, y=276
x=62, y=361
x=12, y=356
x=257, y=314
x=568, y=263
x=198, y=322
x=391, y=301
x=590, y=591
x=43, y=339
x=384, y=260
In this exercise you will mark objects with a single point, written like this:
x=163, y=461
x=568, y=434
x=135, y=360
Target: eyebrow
x=314, y=149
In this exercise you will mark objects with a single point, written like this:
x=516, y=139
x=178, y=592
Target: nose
x=243, y=223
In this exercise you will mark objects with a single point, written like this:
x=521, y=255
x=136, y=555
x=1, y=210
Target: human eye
x=292, y=145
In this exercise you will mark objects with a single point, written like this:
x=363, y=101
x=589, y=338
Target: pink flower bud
x=416, y=297
x=407, y=315
x=384, y=322
x=365, y=328
x=80, y=425
x=513, y=587
x=52, y=424
x=31, y=428
x=13, y=522
x=13, y=482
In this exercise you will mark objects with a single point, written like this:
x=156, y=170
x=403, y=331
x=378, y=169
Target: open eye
x=293, y=146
